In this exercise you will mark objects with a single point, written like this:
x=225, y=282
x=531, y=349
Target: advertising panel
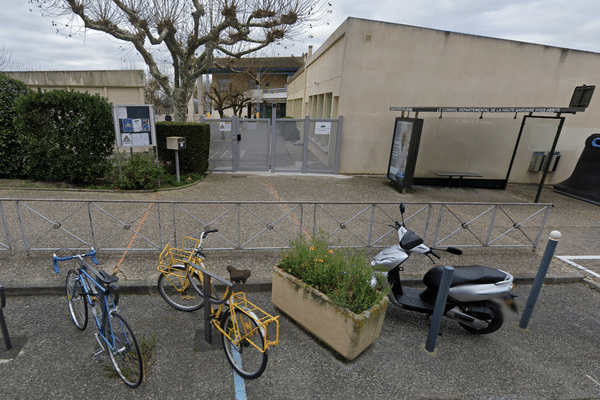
x=403, y=155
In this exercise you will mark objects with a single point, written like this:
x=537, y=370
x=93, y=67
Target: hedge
x=192, y=160
x=12, y=152
x=68, y=136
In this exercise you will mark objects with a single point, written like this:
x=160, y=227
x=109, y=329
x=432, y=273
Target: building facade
x=260, y=80
x=119, y=87
x=366, y=67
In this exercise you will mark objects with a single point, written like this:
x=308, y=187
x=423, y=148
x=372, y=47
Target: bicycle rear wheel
x=245, y=357
x=124, y=351
x=176, y=288
x=76, y=299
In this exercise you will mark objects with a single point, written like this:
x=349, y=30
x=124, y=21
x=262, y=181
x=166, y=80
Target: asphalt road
x=555, y=358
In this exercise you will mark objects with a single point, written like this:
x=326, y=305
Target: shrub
x=12, y=152
x=139, y=173
x=342, y=276
x=68, y=136
x=192, y=160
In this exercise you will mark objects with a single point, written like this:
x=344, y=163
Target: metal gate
x=279, y=145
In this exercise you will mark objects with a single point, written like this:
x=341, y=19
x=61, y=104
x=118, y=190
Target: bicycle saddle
x=106, y=278
x=238, y=275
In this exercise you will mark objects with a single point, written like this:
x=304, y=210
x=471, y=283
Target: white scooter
x=476, y=292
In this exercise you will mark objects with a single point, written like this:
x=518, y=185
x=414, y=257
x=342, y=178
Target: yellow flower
x=312, y=248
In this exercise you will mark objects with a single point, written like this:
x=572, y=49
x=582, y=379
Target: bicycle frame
x=108, y=304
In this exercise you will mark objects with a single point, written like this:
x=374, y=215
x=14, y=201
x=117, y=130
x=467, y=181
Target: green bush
x=12, y=152
x=139, y=173
x=192, y=160
x=68, y=136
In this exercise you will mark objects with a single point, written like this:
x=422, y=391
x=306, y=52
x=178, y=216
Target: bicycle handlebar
x=205, y=233
x=202, y=236
x=56, y=259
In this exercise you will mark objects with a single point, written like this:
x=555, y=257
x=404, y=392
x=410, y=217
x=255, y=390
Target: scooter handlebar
x=435, y=255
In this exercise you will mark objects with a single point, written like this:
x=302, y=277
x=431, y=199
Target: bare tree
x=153, y=94
x=220, y=98
x=192, y=32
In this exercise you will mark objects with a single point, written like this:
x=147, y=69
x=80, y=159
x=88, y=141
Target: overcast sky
x=34, y=43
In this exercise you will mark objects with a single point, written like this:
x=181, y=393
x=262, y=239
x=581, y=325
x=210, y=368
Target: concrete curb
x=263, y=285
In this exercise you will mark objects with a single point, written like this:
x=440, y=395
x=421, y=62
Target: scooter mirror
x=402, y=208
x=454, y=250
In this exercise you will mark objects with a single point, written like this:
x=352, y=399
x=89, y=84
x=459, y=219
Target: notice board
x=403, y=155
x=134, y=125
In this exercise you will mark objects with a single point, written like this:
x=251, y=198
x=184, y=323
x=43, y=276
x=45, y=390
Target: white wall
x=119, y=87
x=373, y=66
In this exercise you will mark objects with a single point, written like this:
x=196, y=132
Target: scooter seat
x=464, y=275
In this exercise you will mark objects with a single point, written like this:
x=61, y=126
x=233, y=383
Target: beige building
x=119, y=87
x=366, y=67
x=261, y=81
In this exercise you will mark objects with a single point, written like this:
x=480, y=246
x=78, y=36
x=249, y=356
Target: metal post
x=177, y=164
x=438, y=311
x=7, y=341
x=274, y=137
x=338, y=145
x=514, y=154
x=305, y=144
x=549, y=158
x=207, y=307
x=539, y=278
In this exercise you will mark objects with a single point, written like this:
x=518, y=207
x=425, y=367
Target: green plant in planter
x=341, y=275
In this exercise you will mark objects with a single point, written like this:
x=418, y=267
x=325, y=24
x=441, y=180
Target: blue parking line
x=238, y=381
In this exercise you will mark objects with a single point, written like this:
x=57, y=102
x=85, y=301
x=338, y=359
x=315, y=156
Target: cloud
x=35, y=43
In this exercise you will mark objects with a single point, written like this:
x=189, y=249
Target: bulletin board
x=134, y=125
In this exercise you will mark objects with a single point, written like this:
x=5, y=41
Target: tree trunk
x=181, y=97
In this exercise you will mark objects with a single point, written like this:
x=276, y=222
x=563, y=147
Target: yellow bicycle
x=177, y=275
x=247, y=331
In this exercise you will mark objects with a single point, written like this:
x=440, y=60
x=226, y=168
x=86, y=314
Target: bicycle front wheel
x=77, y=300
x=246, y=356
x=176, y=288
x=124, y=351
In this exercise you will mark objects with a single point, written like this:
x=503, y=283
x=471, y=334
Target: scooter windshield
x=410, y=240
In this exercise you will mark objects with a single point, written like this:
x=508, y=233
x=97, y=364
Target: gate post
x=338, y=145
x=305, y=144
x=235, y=131
x=273, y=136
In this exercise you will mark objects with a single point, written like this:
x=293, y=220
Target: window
x=224, y=84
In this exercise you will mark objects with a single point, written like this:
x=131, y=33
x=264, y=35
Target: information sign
x=134, y=125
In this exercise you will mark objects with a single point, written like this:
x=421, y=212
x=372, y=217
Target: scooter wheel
x=493, y=325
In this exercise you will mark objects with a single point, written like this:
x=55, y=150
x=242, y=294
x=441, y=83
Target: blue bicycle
x=86, y=285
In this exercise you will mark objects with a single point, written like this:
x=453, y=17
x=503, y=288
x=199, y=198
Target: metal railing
x=119, y=225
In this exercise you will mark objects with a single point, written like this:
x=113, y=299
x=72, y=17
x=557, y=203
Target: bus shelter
x=466, y=127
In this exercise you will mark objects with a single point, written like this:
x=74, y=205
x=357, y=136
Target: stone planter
x=347, y=333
